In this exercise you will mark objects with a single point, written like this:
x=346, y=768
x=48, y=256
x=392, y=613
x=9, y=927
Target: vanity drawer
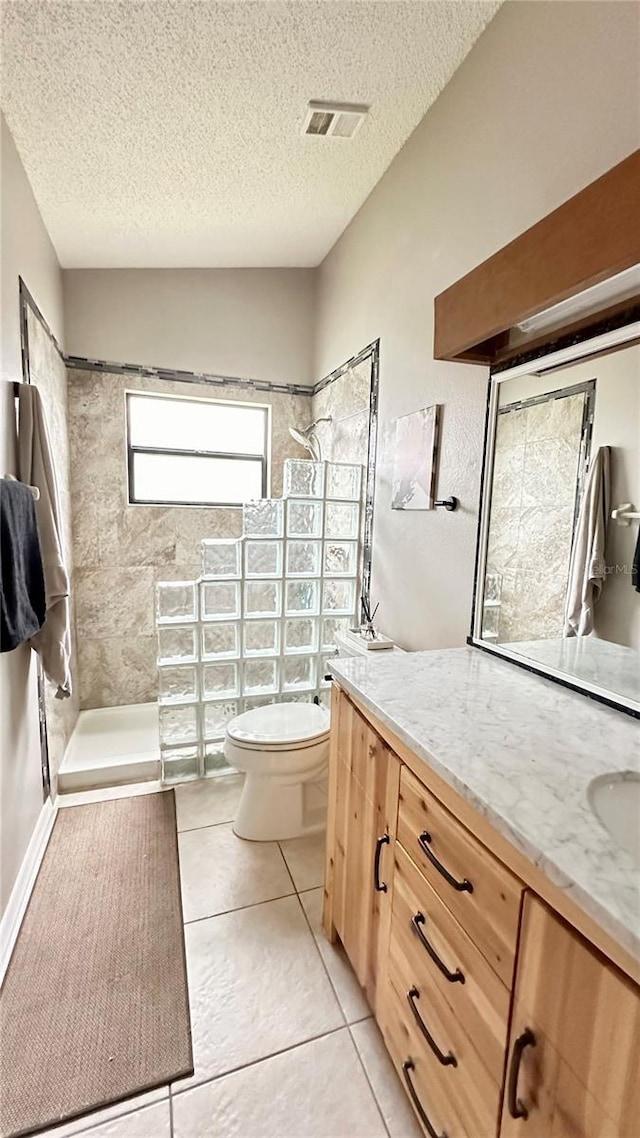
x=426, y=1082
x=439, y=1035
x=437, y=952
x=483, y=895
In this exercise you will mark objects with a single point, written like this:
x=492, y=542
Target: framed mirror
x=556, y=590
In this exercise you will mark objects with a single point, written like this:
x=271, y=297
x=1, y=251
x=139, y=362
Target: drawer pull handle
x=448, y=1060
x=517, y=1109
x=463, y=886
x=380, y=885
x=452, y=977
x=407, y=1066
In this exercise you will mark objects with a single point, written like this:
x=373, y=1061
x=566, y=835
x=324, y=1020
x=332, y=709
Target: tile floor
x=284, y=1043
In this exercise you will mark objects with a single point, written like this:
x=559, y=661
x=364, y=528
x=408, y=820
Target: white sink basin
x=615, y=800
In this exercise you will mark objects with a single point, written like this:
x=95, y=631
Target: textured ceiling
x=168, y=132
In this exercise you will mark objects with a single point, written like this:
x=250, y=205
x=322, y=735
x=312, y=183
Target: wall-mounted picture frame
x=414, y=459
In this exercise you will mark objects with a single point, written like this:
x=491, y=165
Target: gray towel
x=587, y=572
x=22, y=596
x=35, y=465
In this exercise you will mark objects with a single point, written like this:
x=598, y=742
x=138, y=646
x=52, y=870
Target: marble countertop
x=522, y=750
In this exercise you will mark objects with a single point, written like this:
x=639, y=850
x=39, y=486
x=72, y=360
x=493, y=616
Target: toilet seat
x=279, y=727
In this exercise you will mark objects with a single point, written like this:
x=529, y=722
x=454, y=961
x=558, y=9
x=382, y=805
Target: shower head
x=299, y=437
x=308, y=439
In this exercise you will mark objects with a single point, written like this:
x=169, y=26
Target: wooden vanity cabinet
x=501, y=1020
x=574, y=1047
x=363, y=804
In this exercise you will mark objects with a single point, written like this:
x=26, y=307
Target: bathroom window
x=196, y=452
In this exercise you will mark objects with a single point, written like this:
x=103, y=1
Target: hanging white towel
x=588, y=568
x=35, y=465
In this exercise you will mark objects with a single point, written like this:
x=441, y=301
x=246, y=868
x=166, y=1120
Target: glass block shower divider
x=259, y=624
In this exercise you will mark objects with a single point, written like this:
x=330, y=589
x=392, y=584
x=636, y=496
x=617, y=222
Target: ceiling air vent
x=338, y=120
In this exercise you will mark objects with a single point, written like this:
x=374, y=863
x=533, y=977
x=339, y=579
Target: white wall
x=542, y=105
x=250, y=323
x=25, y=251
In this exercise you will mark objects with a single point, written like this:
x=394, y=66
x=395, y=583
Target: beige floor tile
x=208, y=801
x=256, y=986
x=220, y=872
x=341, y=973
x=317, y=1090
x=305, y=858
x=136, y=1118
x=392, y=1100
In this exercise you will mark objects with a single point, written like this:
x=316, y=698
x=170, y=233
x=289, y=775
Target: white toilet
x=284, y=750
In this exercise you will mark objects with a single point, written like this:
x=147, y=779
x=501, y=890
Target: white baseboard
x=17, y=904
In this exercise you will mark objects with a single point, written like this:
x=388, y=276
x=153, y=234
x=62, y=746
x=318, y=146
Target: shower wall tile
x=351, y=438
x=550, y=472
x=346, y=400
x=190, y=526
x=118, y=671
x=86, y=545
x=115, y=602
x=555, y=419
x=122, y=551
x=135, y=536
x=533, y=500
x=504, y=531
x=49, y=374
x=346, y=395
x=545, y=540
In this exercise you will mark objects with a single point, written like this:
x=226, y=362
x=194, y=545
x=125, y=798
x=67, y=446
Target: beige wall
x=542, y=105
x=121, y=551
x=25, y=251
x=250, y=323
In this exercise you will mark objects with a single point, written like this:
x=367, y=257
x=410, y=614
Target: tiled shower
x=259, y=624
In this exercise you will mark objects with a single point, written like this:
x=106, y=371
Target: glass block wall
x=259, y=624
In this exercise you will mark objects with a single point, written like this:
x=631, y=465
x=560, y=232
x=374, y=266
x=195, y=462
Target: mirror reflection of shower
x=308, y=437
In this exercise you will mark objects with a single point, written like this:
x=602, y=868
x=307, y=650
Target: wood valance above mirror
x=587, y=240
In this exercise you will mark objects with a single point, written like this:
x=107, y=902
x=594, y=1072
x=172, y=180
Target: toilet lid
x=280, y=723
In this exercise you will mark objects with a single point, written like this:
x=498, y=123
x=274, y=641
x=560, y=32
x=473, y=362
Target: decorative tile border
x=372, y=349
x=81, y=363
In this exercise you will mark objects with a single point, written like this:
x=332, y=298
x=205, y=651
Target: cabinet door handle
x=454, y=977
x=380, y=885
x=517, y=1109
x=407, y=1066
x=463, y=886
x=448, y=1060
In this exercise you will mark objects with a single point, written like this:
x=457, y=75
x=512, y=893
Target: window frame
x=132, y=449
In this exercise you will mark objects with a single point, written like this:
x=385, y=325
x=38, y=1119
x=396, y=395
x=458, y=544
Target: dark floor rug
x=94, y=1007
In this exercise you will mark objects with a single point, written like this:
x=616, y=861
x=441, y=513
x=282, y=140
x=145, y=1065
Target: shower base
x=112, y=746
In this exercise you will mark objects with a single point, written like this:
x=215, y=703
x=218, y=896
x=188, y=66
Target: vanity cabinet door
x=573, y=1068
x=363, y=803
